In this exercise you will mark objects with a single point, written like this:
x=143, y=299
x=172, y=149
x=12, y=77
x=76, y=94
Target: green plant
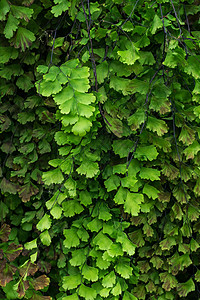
x=100, y=149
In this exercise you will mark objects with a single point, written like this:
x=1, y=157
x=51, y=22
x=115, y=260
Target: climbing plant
x=100, y=129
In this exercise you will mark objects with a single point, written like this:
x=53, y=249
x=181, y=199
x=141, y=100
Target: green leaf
x=129, y=56
x=4, y=9
x=115, y=250
x=11, y=26
x=56, y=211
x=102, y=241
x=24, y=82
x=187, y=135
x=169, y=281
x=127, y=245
x=31, y=245
x=47, y=89
x=150, y=191
x=123, y=268
x=95, y=225
x=128, y=296
x=71, y=208
x=132, y=203
x=102, y=71
x=193, y=65
x=62, y=6
x=71, y=238
x=120, y=196
x=145, y=153
x=85, y=198
x=81, y=127
x=21, y=12
x=45, y=238
x=175, y=57
x=90, y=273
x=87, y=292
x=23, y=38
x=112, y=183
x=7, y=53
x=116, y=290
x=122, y=147
x=88, y=168
x=104, y=213
x=44, y=223
x=185, y=288
x=72, y=297
x=156, y=24
x=157, y=125
x=78, y=257
x=53, y=177
x=71, y=282
x=109, y=280
x=149, y=173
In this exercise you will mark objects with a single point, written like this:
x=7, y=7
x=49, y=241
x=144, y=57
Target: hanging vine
x=100, y=130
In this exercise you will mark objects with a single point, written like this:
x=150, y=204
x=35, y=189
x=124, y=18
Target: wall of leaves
x=99, y=149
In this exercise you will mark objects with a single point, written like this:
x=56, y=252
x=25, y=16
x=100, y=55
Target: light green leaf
x=120, y=196
x=62, y=6
x=80, y=85
x=81, y=127
x=123, y=268
x=129, y=56
x=175, y=57
x=53, y=177
x=102, y=241
x=71, y=297
x=88, y=168
x=102, y=71
x=115, y=250
x=128, y=296
x=132, y=203
x=71, y=208
x=71, y=238
x=95, y=225
x=56, y=211
x=47, y=89
x=150, y=191
x=127, y=245
x=31, y=245
x=149, y=173
x=71, y=282
x=157, y=125
x=90, y=273
x=44, y=223
x=85, y=198
x=104, y=213
x=145, y=153
x=156, y=24
x=87, y=292
x=45, y=238
x=109, y=280
x=78, y=257
x=61, y=138
x=193, y=66
x=116, y=290
x=112, y=183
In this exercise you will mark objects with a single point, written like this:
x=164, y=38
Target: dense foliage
x=100, y=129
